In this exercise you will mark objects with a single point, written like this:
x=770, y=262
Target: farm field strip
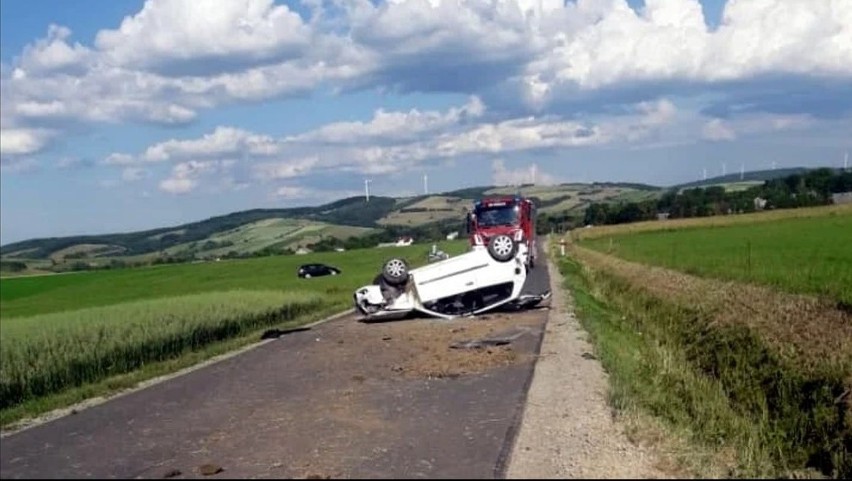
x=811, y=255
x=47, y=353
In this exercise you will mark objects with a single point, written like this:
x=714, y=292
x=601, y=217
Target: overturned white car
x=468, y=284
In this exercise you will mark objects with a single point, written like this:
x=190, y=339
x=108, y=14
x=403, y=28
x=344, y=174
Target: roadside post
x=562, y=247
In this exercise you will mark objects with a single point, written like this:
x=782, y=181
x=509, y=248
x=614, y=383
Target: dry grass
x=805, y=328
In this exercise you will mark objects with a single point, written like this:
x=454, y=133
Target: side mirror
x=471, y=218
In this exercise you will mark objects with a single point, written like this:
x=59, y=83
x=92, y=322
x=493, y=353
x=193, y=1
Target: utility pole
x=367, y=189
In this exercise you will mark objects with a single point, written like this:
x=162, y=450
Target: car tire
x=502, y=248
x=334, y=273
x=307, y=276
x=395, y=271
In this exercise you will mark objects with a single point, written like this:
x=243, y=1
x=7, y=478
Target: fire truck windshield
x=491, y=216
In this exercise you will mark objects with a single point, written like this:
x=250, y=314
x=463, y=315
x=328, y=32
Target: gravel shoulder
x=568, y=429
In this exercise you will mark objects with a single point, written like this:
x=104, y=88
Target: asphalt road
x=342, y=400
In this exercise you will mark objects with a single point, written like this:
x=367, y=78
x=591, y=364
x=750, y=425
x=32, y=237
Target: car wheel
x=502, y=248
x=395, y=271
x=307, y=276
x=334, y=273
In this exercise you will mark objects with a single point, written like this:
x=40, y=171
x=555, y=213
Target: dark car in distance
x=316, y=270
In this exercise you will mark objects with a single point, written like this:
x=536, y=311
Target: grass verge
x=719, y=386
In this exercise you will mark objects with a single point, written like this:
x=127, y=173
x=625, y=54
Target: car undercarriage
x=478, y=281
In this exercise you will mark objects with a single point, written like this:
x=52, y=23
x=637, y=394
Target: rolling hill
x=281, y=230
x=754, y=177
x=256, y=230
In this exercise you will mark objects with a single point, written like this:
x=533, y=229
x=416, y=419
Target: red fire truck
x=511, y=215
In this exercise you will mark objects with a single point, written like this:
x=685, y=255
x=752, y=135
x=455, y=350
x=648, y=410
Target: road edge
x=60, y=413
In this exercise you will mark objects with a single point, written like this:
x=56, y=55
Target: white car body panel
x=467, y=273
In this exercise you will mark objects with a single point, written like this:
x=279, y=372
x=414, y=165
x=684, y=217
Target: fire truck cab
x=511, y=215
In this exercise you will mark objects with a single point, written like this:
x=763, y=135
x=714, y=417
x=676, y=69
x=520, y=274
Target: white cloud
x=119, y=159
x=222, y=141
x=302, y=193
x=394, y=126
x=204, y=35
x=383, y=147
x=532, y=174
x=716, y=129
x=178, y=185
x=520, y=134
x=753, y=124
x=53, y=54
x=292, y=192
x=22, y=141
x=174, y=59
x=185, y=176
x=670, y=41
x=285, y=169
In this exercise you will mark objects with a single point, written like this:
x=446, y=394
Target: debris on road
x=479, y=343
x=276, y=333
x=210, y=469
x=499, y=340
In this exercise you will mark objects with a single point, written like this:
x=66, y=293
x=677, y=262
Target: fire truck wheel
x=502, y=248
x=395, y=271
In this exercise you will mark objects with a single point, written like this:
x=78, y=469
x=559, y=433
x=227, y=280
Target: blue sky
x=127, y=115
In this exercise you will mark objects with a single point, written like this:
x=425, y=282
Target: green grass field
x=811, y=255
x=26, y=296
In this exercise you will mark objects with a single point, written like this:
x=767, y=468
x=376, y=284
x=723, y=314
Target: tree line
x=811, y=188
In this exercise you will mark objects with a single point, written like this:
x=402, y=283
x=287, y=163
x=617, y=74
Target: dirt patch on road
x=423, y=347
x=427, y=346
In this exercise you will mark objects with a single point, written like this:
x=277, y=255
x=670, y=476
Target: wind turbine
x=425, y=184
x=367, y=188
x=724, y=169
x=742, y=171
x=846, y=161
